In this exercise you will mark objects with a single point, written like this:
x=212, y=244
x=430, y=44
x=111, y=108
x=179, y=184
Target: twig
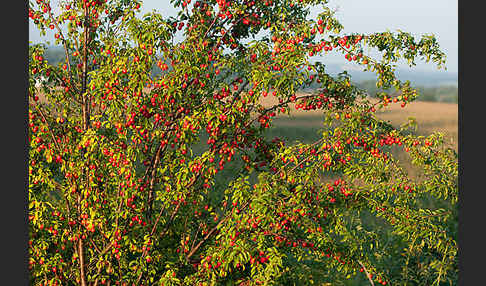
x=194, y=249
x=65, y=49
x=367, y=274
x=167, y=225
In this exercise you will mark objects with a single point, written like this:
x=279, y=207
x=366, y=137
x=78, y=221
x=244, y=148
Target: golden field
x=430, y=117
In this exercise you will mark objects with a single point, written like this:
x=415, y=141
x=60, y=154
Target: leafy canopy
x=169, y=177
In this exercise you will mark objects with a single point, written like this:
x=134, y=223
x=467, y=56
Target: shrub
x=168, y=178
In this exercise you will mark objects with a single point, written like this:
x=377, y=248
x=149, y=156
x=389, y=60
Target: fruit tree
x=150, y=161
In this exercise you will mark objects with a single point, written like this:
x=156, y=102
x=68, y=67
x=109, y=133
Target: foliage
x=170, y=178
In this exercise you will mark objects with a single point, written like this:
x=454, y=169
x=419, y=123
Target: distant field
x=430, y=117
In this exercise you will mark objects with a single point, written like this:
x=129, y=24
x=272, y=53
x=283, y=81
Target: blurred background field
x=305, y=126
x=430, y=116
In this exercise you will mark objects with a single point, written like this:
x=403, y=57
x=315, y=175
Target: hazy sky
x=438, y=17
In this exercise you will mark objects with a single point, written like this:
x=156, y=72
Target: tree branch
x=367, y=274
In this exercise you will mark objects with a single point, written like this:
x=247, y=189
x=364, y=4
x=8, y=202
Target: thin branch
x=206, y=237
x=102, y=252
x=151, y=193
x=367, y=273
x=167, y=225
x=66, y=51
x=59, y=149
x=210, y=26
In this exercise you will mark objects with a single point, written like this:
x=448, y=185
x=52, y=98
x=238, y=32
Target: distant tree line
x=443, y=93
x=54, y=55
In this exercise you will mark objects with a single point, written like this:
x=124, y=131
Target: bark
x=85, y=114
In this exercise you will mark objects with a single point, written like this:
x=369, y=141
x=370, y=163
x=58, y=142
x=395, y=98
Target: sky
x=438, y=17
